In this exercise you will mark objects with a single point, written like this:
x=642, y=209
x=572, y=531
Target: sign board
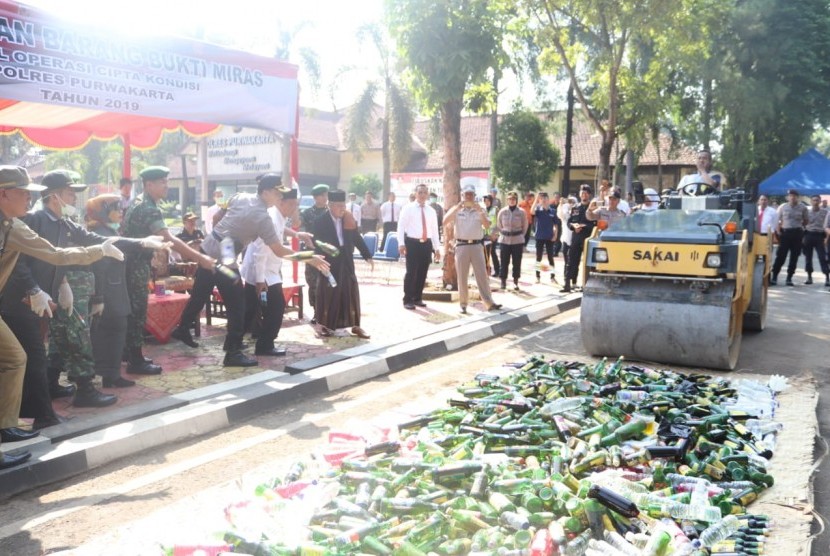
x=404, y=184
x=234, y=151
x=46, y=60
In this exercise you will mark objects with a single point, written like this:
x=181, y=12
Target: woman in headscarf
x=110, y=304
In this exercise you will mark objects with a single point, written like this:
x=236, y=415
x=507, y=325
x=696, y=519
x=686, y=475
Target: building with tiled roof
x=236, y=156
x=677, y=160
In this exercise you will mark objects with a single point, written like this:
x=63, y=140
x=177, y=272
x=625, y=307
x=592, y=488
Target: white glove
x=65, y=297
x=97, y=309
x=39, y=303
x=110, y=250
x=153, y=242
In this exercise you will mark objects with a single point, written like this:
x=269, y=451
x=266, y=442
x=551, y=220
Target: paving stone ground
x=383, y=316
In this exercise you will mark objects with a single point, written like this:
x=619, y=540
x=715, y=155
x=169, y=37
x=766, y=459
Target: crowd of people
x=75, y=298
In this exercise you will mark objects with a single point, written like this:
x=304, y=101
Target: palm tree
x=394, y=117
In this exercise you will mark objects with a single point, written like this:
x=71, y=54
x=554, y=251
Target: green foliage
x=620, y=57
x=72, y=160
x=525, y=157
x=394, y=118
x=762, y=85
x=359, y=184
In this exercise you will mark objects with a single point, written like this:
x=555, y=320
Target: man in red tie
x=418, y=224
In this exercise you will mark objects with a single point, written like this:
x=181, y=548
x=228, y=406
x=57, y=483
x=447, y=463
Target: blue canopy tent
x=809, y=174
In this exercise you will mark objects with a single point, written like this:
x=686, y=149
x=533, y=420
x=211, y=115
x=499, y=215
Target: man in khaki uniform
x=16, y=238
x=470, y=221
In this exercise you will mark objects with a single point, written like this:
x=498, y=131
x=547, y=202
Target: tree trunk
x=605, y=156
x=494, y=126
x=451, y=134
x=387, y=165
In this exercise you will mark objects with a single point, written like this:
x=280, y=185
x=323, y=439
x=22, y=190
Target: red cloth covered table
x=163, y=314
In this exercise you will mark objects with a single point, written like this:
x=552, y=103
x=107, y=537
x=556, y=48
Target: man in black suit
x=338, y=296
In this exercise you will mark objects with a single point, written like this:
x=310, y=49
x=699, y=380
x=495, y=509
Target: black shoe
x=88, y=396
x=239, y=359
x=410, y=306
x=516, y=285
x=182, y=334
x=808, y=281
x=420, y=304
x=143, y=368
x=118, y=382
x=504, y=284
x=463, y=310
x=15, y=458
x=827, y=282
x=273, y=352
x=566, y=289
x=56, y=390
x=46, y=422
x=125, y=357
x=14, y=434
x=494, y=307
x=773, y=281
x=790, y=282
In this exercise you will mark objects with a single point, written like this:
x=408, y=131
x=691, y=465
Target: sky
x=326, y=26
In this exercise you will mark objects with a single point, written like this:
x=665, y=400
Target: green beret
x=58, y=179
x=151, y=173
x=319, y=189
x=16, y=177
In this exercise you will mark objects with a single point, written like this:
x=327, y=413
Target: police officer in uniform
x=792, y=217
x=246, y=220
x=17, y=238
x=582, y=228
x=144, y=219
x=470, y=221
x=309, y=216
x=814, y=240
x=610, y=213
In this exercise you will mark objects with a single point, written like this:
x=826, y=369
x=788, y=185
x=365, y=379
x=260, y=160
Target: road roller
x=680, y=284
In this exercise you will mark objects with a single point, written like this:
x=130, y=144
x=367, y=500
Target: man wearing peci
x=418, y=225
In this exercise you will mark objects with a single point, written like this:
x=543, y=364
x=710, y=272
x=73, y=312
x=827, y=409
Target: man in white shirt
x=354, y=208
x=418, y=232
x=218, y=197
x=262, y=272
x=390, y=214
x=715, y=180
x=767, y=216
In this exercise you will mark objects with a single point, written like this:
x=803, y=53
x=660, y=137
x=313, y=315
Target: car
x=306, y=201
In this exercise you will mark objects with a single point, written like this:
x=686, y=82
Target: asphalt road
x=152, y=497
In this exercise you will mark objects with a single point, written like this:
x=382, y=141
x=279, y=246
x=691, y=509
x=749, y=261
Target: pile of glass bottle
x=553, y=457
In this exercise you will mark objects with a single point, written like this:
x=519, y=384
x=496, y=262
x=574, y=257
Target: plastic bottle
x=617, y=541
x=331, y=279
x=720, y=530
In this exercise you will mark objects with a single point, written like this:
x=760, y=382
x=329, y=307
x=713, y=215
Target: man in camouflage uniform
x=308, y=217
x=69, y=339
x=144, y=218
x=25, y=302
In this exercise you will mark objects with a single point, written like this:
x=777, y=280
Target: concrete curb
x=78, y=446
